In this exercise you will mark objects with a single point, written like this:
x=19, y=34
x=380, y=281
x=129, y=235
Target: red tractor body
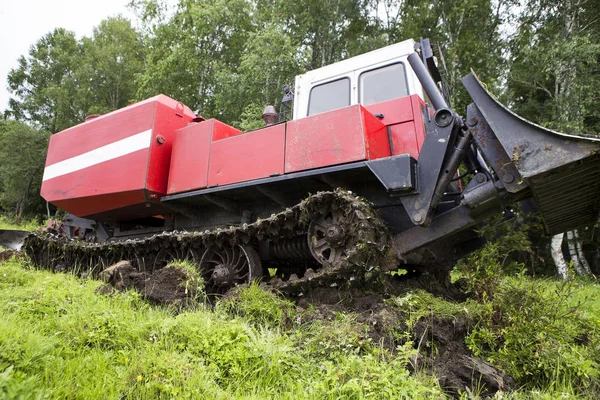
x=270, y=196
x=117, y=163
x=118, y=166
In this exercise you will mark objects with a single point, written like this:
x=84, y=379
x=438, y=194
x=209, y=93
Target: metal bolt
x=443, y=118
x=479, y=178
x=160, y=139
x=417, y=217
x=473, y=121
x=508, y=178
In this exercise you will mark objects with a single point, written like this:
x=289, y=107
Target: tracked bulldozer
x=365, y=177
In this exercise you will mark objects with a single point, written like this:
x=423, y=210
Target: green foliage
x=539, y=334
x=62, y=79
x=466, y=31
x=17, y=385
x=419, y=304
x=554, y=76
x=110, y=61
x=82, y=345
x=267, y=64
x=251, y=118
x=22, y=155
x=342, y=336
x=259, y=306
x=484, y=268
x=200, y=41
x=7, y=222
x=324, y=32
x=43, y=84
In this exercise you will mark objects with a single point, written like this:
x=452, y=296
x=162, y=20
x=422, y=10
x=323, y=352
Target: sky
x=23, y=22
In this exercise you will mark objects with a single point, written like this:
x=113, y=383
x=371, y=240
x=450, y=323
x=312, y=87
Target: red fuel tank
x=118, y=162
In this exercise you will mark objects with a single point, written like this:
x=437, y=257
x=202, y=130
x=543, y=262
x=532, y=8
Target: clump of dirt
x=7, y=254
x=169, y=285
x=440, y=341
x=452, y=362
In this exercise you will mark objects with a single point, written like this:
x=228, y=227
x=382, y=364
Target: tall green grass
x=58, y=339
x=7, y=222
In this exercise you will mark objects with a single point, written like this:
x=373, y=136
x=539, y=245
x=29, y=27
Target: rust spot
x=515, y=157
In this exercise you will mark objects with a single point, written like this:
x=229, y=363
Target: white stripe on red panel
x=109, y=152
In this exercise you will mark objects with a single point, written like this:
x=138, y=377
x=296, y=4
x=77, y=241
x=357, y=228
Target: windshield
x=381, y=84
x=329, y=96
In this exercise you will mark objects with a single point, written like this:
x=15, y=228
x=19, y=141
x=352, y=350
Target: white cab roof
x=352, y=68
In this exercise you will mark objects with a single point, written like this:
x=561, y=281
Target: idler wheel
x=225, y=267
x=328, y=237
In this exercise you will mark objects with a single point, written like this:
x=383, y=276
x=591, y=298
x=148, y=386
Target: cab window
x=329, y=96
x=381, y=84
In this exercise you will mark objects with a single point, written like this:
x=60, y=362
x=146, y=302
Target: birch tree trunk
x=557, y=256
x=573, y=253
x=584, y=263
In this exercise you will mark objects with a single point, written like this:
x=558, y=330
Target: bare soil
x=441, y=341
x=6, y=254
x=168, y=285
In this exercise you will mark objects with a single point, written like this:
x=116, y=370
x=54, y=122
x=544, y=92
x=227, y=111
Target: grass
x=8, y=223
x=58, y=339
x=545, y=334
x=542, y=332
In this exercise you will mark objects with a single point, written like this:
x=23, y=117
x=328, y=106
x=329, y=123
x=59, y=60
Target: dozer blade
x=562, y=172
x=13, y=239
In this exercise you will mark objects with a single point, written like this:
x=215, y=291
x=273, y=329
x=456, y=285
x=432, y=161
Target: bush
x=484, y=268
x=536, y=333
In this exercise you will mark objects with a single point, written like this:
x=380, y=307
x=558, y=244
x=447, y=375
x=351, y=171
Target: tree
x=268, y=63
x=466, y=31
x=22, y=155
x=326, y=31
x=43, y=85
x=63, y=80
x=111, y=60
x=230, y=58
x=555, y=65
x=186, y=51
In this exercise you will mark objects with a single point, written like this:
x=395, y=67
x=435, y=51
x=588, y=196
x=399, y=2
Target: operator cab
x=369, y=78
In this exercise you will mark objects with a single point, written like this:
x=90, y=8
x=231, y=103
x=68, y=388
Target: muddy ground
x=441, y=341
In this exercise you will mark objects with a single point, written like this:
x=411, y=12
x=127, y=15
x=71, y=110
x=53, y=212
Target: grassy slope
x=8, y=223
x=59, y=339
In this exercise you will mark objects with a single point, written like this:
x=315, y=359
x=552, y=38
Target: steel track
x=366, y=249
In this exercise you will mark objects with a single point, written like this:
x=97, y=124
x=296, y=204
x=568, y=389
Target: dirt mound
x=7, y=254
x=440, y=341
x=452, y=362
x=170, y=285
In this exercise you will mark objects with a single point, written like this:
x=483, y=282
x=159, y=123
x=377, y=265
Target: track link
x=366, y=247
